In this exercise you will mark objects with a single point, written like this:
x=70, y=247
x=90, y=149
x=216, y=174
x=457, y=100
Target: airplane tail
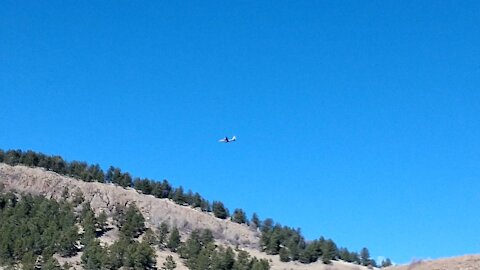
x=234, y=138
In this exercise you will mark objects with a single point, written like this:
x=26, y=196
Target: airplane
x=227, y=140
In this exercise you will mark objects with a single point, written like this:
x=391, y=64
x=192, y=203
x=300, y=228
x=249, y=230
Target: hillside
x=105, y=197
x=468, y=262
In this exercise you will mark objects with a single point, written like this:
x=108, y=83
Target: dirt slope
x=468, y=262
x=105, y=197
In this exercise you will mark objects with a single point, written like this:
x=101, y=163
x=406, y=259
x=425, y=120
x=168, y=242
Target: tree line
x=287, y=242
x=33, y=229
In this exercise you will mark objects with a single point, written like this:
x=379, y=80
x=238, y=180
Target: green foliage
x=130, y=221
x=89, y=224
x=239, y=216
x=51, y=264
x=284, y=255
x=169, y=263
x=200, y=253
x=115, y=176
x=256, y=220
x=365, y=257
x=130, y=254
x=275, y=239
x=28, y=229
x=178, y=196
x=193, y=246
x=261, y=264
x=221, y=258
x=94, y=256
x=329, y=251
x=141, y=256
x=162, y=235
x=174, y=240
x=219, y=210
x=78, y=197
x=243, y=261
x=149, y=237
x=386, y=263
x=102, y=222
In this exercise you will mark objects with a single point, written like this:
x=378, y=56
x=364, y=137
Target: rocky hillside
x=105, y=197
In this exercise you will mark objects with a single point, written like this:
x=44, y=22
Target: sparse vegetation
x=276, y=239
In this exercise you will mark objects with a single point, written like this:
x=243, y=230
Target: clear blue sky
x=356, y=120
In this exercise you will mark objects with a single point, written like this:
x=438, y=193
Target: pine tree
x=219, y=210
x=94, y=256
x=256, y=220
x=149, y=237
x=243, y=261
x=88, y=224
x=284, y=255
x=329, y=251
x=133, y=223
x=239, y=216
x=178, y=196
x=365, y=257
x=386, y=263
x=51, y=264
x=162, y=234
x=102, y=222
x=261, y=264
x=174, y=240
x=144, y=256
x=169, y=263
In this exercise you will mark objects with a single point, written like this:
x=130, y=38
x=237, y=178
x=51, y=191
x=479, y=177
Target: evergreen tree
x=197, y=200
x=386, y=263
x=67, y=241
x=178, y=196
x=125, y=180
x=51, y=264
x=118, y=252
x=131, y=222
x=229, y=258
x=256, y=220
x=162, y=234
x=191, y=248
x=89, y=225
x=169, y=263
x=109, y=175
x=149, y=237
x=243, y=261
x=102, y=222
x=144, y=256
x=174, y=240
x=261, y=264
x=219, y=210
x=12, y=157
x=309, y=254
x=329, y=251
x=239, y=216
x=365, y=257
x=205, y=206
x=94, y=256
x=284, y=255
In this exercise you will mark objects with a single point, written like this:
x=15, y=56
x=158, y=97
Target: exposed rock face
x=105, y=197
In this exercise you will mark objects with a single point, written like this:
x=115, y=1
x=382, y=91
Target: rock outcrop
x=106, y=197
